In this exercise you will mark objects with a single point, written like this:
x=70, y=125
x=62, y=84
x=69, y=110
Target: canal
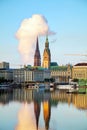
x=25, y=109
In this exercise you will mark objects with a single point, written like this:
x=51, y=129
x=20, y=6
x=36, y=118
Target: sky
x=66, y=18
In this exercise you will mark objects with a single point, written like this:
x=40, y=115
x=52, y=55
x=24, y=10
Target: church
x=46, y=55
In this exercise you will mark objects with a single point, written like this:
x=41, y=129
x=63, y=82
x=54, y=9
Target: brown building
x=79, y=71
x=37, y=57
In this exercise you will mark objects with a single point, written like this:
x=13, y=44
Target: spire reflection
x=37, y=106
x=46, y=110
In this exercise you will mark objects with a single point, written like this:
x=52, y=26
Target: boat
x=68, y=88
x=64, y=87
x=73, y=89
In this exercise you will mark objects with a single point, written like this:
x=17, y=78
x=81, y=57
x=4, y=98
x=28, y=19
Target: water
x=32, y=110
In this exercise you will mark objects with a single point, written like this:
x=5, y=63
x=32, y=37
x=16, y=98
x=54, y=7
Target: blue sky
x=68, y=18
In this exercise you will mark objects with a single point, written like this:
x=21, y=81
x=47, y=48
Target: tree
x=75, y=80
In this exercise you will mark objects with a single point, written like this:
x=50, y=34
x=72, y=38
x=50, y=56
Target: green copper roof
x=58, y=68
x=53, y=64
x=38, y=68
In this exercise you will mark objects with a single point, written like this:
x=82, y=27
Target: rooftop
x=53, y=64
x=60, y=68
x=81, y=64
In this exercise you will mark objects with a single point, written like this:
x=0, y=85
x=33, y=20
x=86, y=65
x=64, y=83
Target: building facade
x=46, y=55
x=18, y=75
x=7, y=74
x=61, y=74
x=40, y=75
x=79, y=71
x=37, y=57
x=30, y=75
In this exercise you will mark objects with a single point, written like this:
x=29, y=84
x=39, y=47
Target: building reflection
x=46, y=110
x=44, y=98
x=78, y=100
x=36, y=98
x=37, y=107
x=20, y=95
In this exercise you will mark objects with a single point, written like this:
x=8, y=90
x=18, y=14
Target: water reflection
x=25, y=119
x=37, y=107
x=46, y=112
x=32, y=103
x=28, y=116
x=78, y=100
x=45, y=99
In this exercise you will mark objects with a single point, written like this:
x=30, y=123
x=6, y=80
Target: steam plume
x=27, y=33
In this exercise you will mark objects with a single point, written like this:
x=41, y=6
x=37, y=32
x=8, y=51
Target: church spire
x=37, y=58
x=37, y=47
x=47, y=42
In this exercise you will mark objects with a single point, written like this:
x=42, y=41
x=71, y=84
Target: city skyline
x=66, y=19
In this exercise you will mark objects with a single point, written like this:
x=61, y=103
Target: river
x=25, y=109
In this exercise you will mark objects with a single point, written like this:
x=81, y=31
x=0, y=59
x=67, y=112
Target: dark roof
x=53, y=64
x=81, y=64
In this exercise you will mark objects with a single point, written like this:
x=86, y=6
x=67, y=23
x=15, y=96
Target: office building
x=79, y=71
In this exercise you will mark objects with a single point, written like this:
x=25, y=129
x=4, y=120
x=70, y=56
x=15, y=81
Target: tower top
x=47, y=42
x=37, y=47
x=46, y=37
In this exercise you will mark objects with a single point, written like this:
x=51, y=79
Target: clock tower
x=46, y=55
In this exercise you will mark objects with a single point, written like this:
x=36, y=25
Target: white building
x=18, y=75
x=30, y=75
x=40, y=75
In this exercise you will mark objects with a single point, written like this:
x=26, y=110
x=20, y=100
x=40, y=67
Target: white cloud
x=30, y=28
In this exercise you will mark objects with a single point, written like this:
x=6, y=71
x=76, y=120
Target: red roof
x=81, y=64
